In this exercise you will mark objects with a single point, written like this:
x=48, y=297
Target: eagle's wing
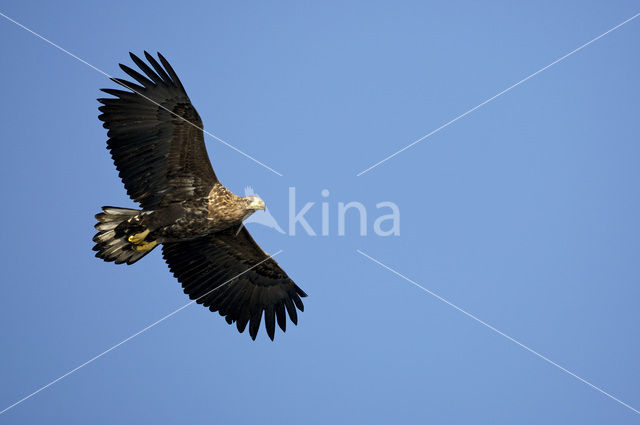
x=231, y=274
x=155, y=136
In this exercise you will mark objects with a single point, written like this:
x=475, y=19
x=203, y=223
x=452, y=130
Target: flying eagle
x=157, y=145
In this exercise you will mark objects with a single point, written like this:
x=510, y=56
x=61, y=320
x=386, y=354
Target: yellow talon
x=146, y=246
x=138, y=238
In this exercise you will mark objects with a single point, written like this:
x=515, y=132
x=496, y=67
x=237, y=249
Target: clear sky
x=524, y=213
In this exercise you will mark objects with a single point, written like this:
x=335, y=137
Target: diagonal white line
x=138, y=93
x=497, y=331
x=497, y=95
x=91, y=360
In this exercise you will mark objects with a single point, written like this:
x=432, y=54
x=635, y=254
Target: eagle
x=157, y=144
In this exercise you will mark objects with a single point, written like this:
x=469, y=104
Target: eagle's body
x=156, y=141
x=193, y=218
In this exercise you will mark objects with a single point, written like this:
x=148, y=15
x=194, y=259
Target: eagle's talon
x=145, y=246
x=138, y=238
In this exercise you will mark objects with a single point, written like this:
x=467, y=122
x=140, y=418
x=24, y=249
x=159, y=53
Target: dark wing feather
x=155, y=136
x=205, y=265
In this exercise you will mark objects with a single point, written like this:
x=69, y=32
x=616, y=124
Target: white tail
x=112, y=245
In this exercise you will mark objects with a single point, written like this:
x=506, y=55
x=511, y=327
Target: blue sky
x=523, y=213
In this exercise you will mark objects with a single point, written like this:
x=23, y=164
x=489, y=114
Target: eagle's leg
x=145, y=246
x=138, y=238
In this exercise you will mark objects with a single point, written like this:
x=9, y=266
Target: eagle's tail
x=116, y=227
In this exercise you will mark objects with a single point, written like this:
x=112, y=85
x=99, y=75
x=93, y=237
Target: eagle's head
x=254, y=203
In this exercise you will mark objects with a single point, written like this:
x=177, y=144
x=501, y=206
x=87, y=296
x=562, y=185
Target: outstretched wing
x=155, y=136
x=231, y=274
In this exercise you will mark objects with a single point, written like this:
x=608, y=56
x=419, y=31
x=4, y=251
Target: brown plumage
x=157, y=145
